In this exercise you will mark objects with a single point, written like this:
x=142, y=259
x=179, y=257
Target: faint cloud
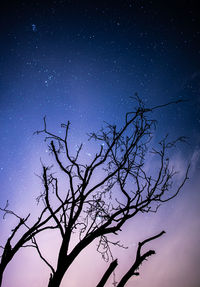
x=195, y=160
x=180, y=166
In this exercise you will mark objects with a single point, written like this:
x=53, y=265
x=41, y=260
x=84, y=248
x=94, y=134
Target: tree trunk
x=2, y=268
x=64, y=263
x=5, y=259
x=56, y=278
x=1, y=277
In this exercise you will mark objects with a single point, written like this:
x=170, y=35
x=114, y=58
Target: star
x=34, y=28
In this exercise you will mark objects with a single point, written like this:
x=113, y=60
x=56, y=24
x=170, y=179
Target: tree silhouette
x=100, y=196
x=23, y=235
x=110, y=190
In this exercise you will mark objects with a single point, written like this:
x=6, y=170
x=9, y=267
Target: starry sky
x=83, y=61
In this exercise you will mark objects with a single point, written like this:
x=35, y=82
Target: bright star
x=34, y=28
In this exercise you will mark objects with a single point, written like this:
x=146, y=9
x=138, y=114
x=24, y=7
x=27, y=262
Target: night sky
x=83, y=61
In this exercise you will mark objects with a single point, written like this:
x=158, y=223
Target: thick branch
x=139, y=260
x=107, y=274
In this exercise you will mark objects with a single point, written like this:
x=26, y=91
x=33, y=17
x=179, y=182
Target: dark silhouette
x=87, y=205
x=107, y=274
x=27, y=237
x=133, y=270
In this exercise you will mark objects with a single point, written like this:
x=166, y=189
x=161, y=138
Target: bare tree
x=23, y=234
x=100, y=196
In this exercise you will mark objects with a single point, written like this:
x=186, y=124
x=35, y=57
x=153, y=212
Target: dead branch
x=133, y=271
